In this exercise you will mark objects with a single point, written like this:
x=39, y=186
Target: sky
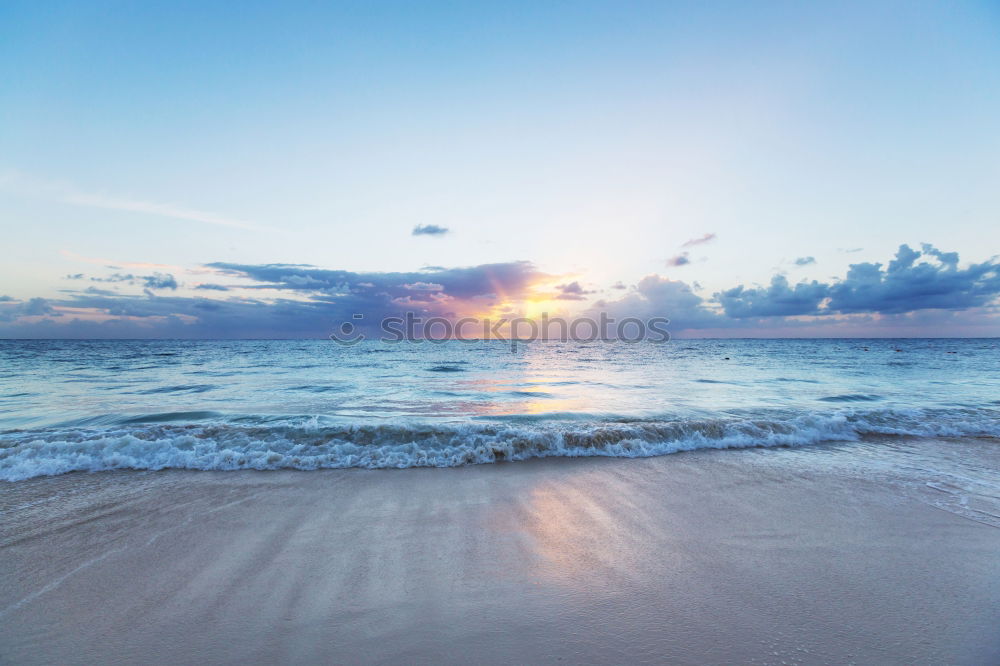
x=272, y=169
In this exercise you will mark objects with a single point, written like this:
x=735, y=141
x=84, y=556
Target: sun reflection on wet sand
x=584, y=531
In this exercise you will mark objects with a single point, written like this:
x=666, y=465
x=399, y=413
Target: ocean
x=88, y=406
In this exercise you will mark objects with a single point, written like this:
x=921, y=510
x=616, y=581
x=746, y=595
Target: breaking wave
x=308, y=443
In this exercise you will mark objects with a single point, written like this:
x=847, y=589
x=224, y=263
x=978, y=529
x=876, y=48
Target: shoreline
x=801, y=555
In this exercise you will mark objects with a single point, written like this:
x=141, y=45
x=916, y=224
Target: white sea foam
x=311, y=443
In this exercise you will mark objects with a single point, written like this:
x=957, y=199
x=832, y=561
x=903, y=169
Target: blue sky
x=182, y=147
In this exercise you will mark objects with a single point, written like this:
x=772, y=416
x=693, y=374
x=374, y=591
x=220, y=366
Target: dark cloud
x=212, y=287
x=805, y=261
x=301, y=301
x=115, y=277
x=154, y=281
x=949, y=259
x=37, y=306
x=681, y=259
x=34, y=307
x=429, y=230
x=777, y=300
x=701, y=240
x=485, y=282
x=905, y=285
x=74, y=276
x=159, y=281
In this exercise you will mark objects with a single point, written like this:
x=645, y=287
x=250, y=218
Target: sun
x=534, y=309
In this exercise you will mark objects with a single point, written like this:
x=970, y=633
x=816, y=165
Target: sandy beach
x=752, y=556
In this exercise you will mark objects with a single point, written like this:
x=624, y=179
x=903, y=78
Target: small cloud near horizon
x=805, y=261
x=429, y=230
x=572, y=291
x=681, y=259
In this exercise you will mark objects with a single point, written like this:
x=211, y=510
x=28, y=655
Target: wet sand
x=762, y=556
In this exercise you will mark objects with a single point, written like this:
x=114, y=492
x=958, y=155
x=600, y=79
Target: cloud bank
x=917, y=292
x=903, y=286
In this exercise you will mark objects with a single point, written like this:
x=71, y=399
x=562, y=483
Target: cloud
x=429, y=230
x=100, y=292
x=487, y=282
x=905, y=285
x=572, y=292
x=153, y=281
x=805, y=261
x=71, y=194
x=701, y=240
x=949, y=259
x=777, y=300
x=115, y=277
x=656, y=296
x=422, y=286
x=158, y=209
x=35, y=307
x=159, y=281
x=684, y=258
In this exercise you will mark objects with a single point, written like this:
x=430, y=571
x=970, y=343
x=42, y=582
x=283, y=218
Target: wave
x=320, y=388
x=851, y=397
x=307, y=443
x=183, y=388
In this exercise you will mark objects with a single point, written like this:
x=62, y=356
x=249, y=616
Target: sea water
x=227, y=405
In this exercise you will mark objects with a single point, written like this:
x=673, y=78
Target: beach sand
x=751, y=556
